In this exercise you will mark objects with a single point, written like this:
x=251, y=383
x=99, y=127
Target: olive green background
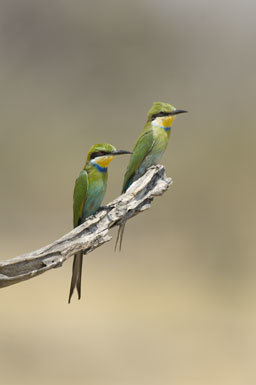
x=178, y=305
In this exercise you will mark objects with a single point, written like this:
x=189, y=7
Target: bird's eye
x=159, y=114
x=97, y=153
x=94, y=155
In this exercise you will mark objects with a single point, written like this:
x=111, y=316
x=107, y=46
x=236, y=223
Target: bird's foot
x=101, y=208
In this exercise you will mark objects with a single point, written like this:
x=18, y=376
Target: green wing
x=79, y=197
x=141, y=149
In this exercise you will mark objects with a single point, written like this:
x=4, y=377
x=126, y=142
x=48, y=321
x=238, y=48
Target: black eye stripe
x=98, y=153
x=162, y=113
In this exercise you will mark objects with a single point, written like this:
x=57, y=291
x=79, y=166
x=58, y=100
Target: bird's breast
x=95, y=194
x=161, y=137
x=153, y=157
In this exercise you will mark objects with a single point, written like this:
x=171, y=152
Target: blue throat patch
x=99, y=168
x=167, y=129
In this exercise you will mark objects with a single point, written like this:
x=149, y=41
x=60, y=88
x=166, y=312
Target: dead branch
x=91, y=234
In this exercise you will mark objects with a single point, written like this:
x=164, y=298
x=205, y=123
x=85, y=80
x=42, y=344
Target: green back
x=141, y=149
x=80, y=191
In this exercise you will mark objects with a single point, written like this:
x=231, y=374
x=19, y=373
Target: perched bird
x=89, y=191
x=149, y=147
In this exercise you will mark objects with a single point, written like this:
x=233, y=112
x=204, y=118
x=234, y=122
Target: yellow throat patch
x=103, y=161
x=163, y=121
x=166, y=121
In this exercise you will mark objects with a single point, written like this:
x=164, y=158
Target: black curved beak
x=176, y=112
x=121, y=152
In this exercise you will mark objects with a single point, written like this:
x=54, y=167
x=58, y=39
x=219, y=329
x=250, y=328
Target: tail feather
x=120, y=235
x=76, y=275
x=79, y=277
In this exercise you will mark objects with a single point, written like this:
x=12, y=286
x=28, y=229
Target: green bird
x=149, y=147
x=89, y=191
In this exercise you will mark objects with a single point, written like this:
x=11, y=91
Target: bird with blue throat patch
x=89, y=191
x=149, y=147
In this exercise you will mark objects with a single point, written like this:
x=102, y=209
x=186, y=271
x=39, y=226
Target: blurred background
x=178, y=305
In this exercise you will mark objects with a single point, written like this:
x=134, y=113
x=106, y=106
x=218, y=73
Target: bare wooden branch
x=89, y=235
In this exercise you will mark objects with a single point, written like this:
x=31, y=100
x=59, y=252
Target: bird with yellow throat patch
x=149, y=147
x=89, y=191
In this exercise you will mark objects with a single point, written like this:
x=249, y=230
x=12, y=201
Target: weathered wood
x=89, y=235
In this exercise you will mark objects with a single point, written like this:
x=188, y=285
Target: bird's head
x=163, y=114
x=102, y=154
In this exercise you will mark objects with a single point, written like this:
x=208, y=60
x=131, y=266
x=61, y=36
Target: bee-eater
x=149, y=147
x=89, y=191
